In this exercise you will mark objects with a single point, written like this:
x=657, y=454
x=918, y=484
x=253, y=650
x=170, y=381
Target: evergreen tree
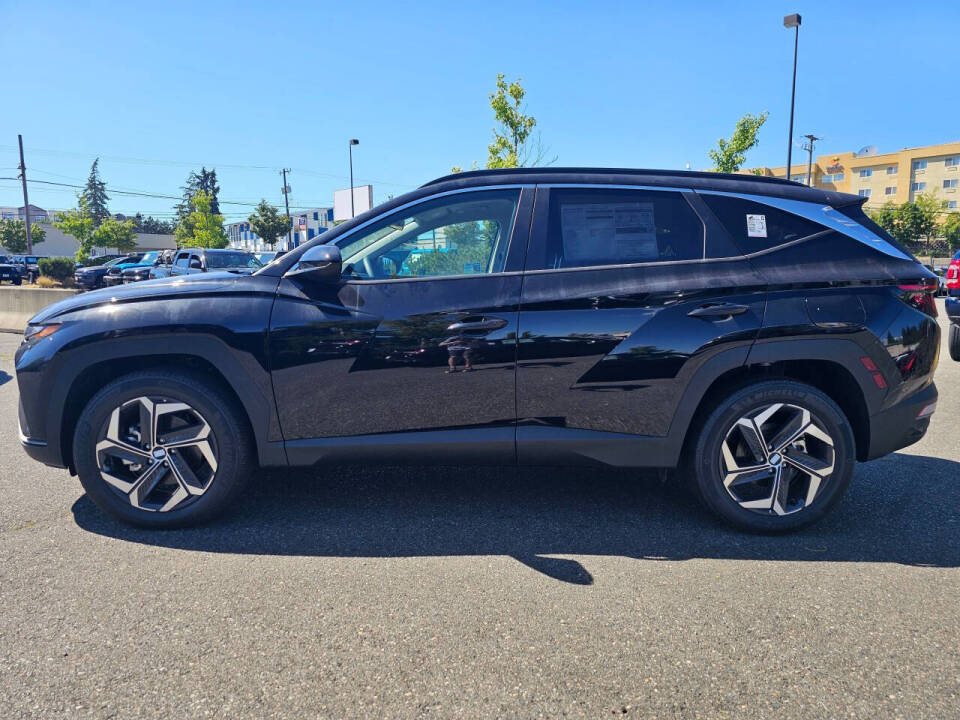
x=203, y=181
x=95, y=194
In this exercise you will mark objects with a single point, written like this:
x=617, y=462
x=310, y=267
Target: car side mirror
x=321, y=263
x=196, y=265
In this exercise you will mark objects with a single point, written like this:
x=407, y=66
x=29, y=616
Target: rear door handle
x=488, y=324
x=717, y=311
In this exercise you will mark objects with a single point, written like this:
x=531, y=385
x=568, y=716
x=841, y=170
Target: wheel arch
x=198, y=355
x=802, y=361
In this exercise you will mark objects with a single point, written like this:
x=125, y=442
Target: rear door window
x=754, y=226
x=597, y=227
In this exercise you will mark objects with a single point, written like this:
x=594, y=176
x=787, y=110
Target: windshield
x=233, y=259
x=149, y=258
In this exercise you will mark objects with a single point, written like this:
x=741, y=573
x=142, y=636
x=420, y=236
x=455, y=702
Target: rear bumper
x=901, y=425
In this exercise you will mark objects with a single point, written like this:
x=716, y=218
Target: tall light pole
x=792, y=21
x=353, y=142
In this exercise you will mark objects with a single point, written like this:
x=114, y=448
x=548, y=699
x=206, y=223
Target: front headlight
x=40, y=331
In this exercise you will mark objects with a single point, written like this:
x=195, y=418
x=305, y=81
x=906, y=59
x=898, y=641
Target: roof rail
x=612, y=171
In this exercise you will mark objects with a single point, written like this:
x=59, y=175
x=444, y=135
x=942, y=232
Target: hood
x=159, y=289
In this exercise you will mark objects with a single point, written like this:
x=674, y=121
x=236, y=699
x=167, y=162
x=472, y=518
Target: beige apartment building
x=895, y=177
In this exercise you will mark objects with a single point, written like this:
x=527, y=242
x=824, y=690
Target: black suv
x=757, y=334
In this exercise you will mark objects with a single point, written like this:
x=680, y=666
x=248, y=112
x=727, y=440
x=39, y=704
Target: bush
x=57, y=268
x=47, y=282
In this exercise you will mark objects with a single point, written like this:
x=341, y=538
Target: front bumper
x=901, y=425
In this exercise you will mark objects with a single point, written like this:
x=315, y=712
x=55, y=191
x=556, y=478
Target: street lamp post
x=353, y=142
x=792, y=21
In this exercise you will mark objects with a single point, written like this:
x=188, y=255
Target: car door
x=180, y=264
x=625, y=297
x=413, y=352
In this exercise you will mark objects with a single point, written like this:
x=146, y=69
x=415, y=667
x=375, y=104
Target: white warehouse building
x=306, y=224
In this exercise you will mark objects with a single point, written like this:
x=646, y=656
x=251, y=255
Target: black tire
x=953, y=342
x=706, y=469
x=233, y=446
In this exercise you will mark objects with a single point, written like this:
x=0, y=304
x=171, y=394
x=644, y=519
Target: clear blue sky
x=158, y=89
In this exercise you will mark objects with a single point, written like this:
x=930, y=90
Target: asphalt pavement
x=480, y=593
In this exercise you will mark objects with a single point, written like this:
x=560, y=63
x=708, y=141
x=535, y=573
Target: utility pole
x=286, y=202
x=353, y=142
x=26, y=200
x=809, y=148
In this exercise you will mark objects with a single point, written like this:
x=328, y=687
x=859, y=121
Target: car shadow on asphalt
x=900, y=509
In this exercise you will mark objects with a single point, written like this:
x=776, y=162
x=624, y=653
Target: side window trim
x=515, y=243
x=540, y=221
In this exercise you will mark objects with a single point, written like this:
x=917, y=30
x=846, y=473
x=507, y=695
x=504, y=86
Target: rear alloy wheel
x=773, y=456
x=162, y=449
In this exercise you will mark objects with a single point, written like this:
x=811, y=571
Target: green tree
x=151, y=225
x=95, y=194
x=886, y=217
x=13, y=235
x=510, y=147
x=267, y=222
x=951, y=230
x=203, y=181
x=79, y=223
x=729, y=155
x=202, y=227
x=918, y=219
x=119, y=234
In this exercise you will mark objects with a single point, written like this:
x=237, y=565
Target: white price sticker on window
x=757, y=226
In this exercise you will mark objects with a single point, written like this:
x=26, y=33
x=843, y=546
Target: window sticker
x=757, y=226
x=624, y=231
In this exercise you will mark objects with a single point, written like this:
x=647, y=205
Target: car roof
x=695, y=180
x=213, y=250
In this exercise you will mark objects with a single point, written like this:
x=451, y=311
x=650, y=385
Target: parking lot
x=470, y=592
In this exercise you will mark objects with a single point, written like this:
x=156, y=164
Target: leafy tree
x=151, y=225
x=13, y=235
x=730, y=155
x=951, y=230
x=202, y=227
x=204, y=181
x=918, y=219
x=79, y=223
x=886, y=217
x=509, y=148
x=268, y=223
x=95, y=193
x=119, y=234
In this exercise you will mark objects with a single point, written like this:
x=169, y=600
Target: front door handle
x=487, y=324
x=717, y=311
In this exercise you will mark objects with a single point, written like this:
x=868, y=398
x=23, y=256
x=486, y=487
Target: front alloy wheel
x=158, y=454
x=774, y=461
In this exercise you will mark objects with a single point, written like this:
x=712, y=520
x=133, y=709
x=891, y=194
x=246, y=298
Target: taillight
x=920, y=296
x=953, y=275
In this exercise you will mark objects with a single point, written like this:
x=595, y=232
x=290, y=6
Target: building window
x=316, y=216
x=919, y=164
x=892, y=169
x=918, y=186
x=866, y=172
x=835, y=178
x=799, y=178
x=952, y=204
x=950, y=183
x=864, y=193
x=952, y=161
x=890, y=190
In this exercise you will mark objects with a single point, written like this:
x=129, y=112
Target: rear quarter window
x=755, y=227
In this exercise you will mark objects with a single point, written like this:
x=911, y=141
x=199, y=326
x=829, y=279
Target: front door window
x=460, y=234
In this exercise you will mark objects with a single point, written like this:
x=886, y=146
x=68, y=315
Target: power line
x=180, y=163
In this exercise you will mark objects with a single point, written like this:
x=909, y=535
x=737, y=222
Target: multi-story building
x=895, y=177
x=305, y=225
